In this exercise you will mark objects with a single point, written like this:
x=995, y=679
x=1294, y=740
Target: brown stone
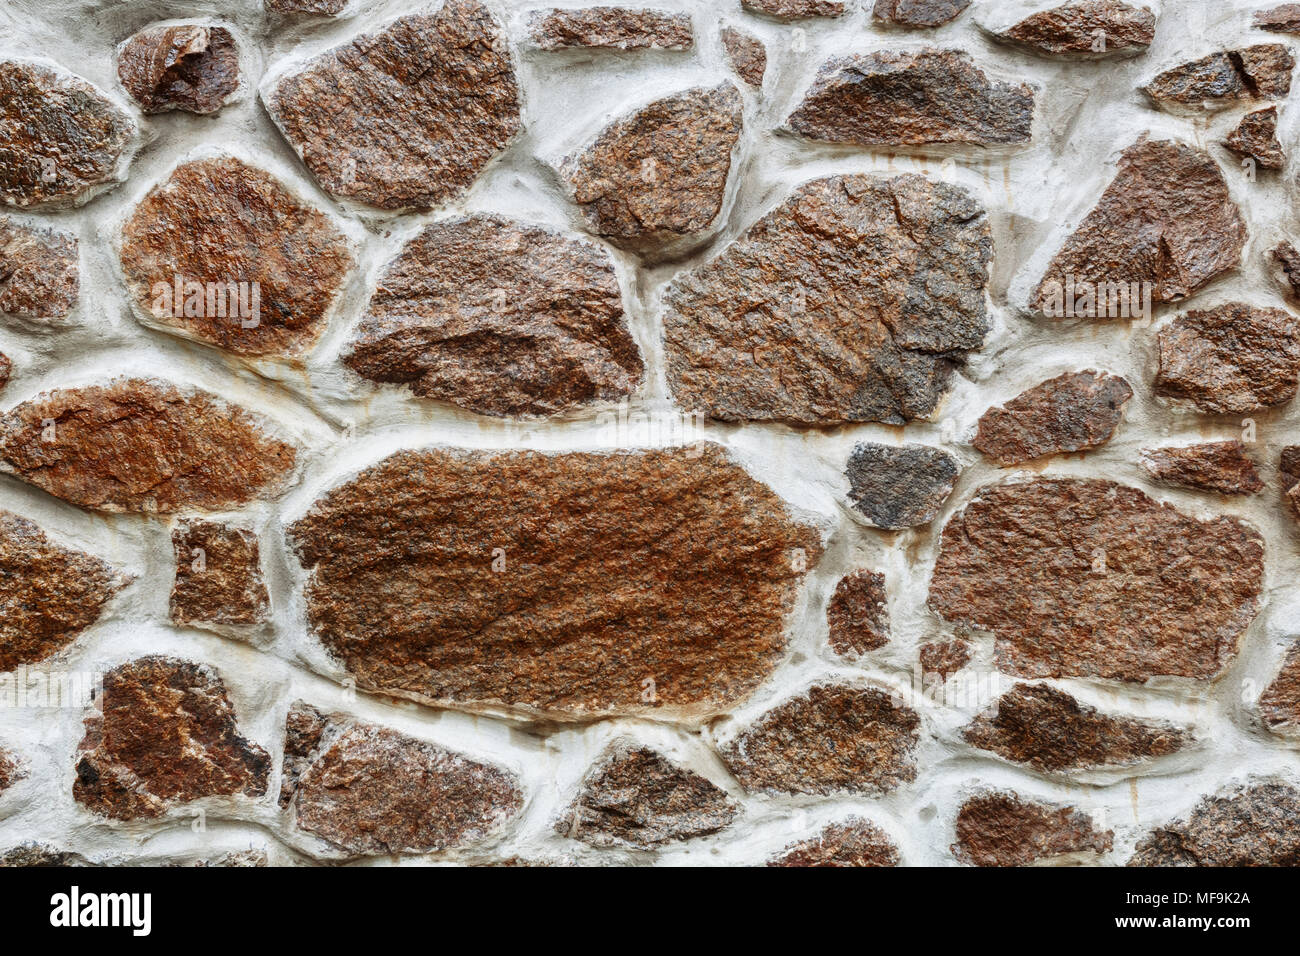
x=941, y=659
x=6, y=365
x=1073, y=412
x=832, y=739
x=1165, y=219
x=187, y=67
x=1084, y=26
x=40, y=854
x=577, y=584
x=218, y=576
x=900, y=486
x=918, y=13
x=265, y=275
x=370, y=789
x=746, y=54
x=660, y=173
x=139, y=445
x=1279, y=706
x=855, y=842
x=1256, y=138
x=1088, y=578
x=858, y=614
x=615, y=28
x=39, y=273
x=1230, y=359
x=1258, y=72
x=408, y=116
x=11, y=770
x=1285, y=255
x=166, y=734
x=326, y=8
x=501, y=319
x=1049, y=730
x=1284, y=18
x=1214, y=466
x=1289, y=472
x=912, y=98
x=636, y=798
x=1000, y=828
x=1253, y=825
x=794, y=9
x=852, y=301
x=48, y=594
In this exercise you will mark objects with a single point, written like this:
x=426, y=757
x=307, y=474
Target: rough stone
x=218, y=576
x=408, y=116
x=1289, y=472
x=40, y=854
x=1256, y=138
x=327, y=8
x=900, y=486
x=11, y=770
x=858, y=614
x=941, y=659
x=1214, y=466
x=1284, y=18
x=747, y=55
x=852, y=301
x=617, y=28
x=1253, y=825
x=918, y=13
x=1089, y=578
x=1000, y=828
x=855, y=842
x=39, y=273
x=187, y=67
x=1073, y=29
x=501, y=319
x=1073, y=412
x=1279, y=706
x=794, y=9
x=1258, y=72
x=1286, y=256
x=6, y=365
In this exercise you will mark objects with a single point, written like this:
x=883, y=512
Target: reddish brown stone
x=855, y=842
x=1253, y=825
x=137, y=445
x=1090, y=578
x=218, y=576
x=900, y=486
x=1284, y=18
x=325, y=8
x=1289, y=472
x=1258, y=72
x=166, y=734
x=858, y=614
x=39, y=273
x=1215, y=466
x=1288, y=258
x=1279, y=706
x=794, y=9
x=746, y=54
x=872, y=292
x=407, y=116
x=5, y=366
x=617, y=28
x=941, y=659
x=187, y=67
x=40, y=854
x=833, y=739
x=1076, y=411
x=918, y=13
x=1000, y=828
x=1256, y=137
x=1088, y=27
x=11, y=770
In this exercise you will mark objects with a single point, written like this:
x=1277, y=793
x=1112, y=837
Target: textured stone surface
x=407, y=116
x=1258, y=72
x=941, y=659
x=1076, y=411
x=499, y=318
x=164, y=733
x=1049, y=730
x=139, y=445
x=918, y=13
x=1289, y=474
x=858, y=614
x=1284, y=18
x=636, y=798
x=6, y=366
x=833, y=739
x=795, y=9
x=315, y=7
x=912, y=98
x=11, y=770
x=218, y=576
x=855, y=842
x=900, y=486
x=290, y=260
x=40, y=854
x=1084, y=577
x=39, y=273
x=1253, y=825
x=851, y=301
x=1214, y=466
x=188, y=67
x=1230, y=359
x=623, y=582
x=1279, y=705
x=747, y=55
x=618, y=28
x=1001, y=828
x=1286, y=256
x=1256, y=137
x=1072, y=28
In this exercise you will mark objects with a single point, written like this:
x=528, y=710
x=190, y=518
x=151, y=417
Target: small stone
x=794, y=9
x=1231, y=359
x=408, y=116
x=138, y=445
x=636, y=798
x=11, y=770
x=1256, y=137
x=1093, y=28
x=1284, y=18
x=1253, y=825
x=187, y=67
x=164, y=733
x=1215, y=466
x=1288, y=258
x=614, y=28
x=900, y=486
x=39, y=273
x=746, y=54
x=218, y=576
x=1289, y=472
x=1000, y=828
x=855, y=842
x=858, y=614
x=5, y=367
x=501, y=319
x=912, y=98
x=1073, y=412
x=1258, y=72
x=325, y=8
x=1049, y=730
x=832, y=739
x=40, y=854
x=941, y=659
x=918, y=13
x=1279, y=706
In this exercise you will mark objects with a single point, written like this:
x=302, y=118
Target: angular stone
x=661, y=173
x=188, y=67
x=5, y=367
x=325, y=8
x=1083, y=26
x=1253, y=825
x=164, y=733
x=1214, y=466
x=941, y=659
x=746, y=54
x=1285, y=255
x=636, y=798
x=1256, y=138
x=11, y=770
x=369, y=789
x=794, y=9
x=918, y=13
x=1088, y=578
x=140, y=445
x=1258, y=72
x=1165, y=219
x=912, y=98
x=1289, y=472
x=576, y=585
x=1049, y=730
x=501, y=319
x=858, y=614
x=1230, y=359
x=218, y=576
x=832, y=739
x=855, y=842
x=408, y=116
x=900, y=486
x=1073, y=412
x=615, y=28
x=48, y=594
x=1284, y=18
x=1279, y=706
x=39, y=273
x=852, y=301
x=1000, y=828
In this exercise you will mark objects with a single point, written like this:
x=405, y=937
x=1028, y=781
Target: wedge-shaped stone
x=190, y=67
x=1222, y=466
x=1279, y=706
x=1073, y=412
x=1258, y=72
x=795, y=9
x=616, y=28
x=1001, y=828
x=1256, y=137
x=1091, y=28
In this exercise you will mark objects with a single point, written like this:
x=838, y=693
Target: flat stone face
x=833, y=739
x=617, y=28
x=264, y=277
x=900, y=486
x=1253, y=825
x=1073, y=28
x=1284, y=18
x=166, y=735
x=918, y=13
x=858, y=614
x=636, y=798
x=1279, y=706
x=1256, y=137
x=1073, y=578
x=1230, y=359
x=852, y=301
x=218, y=576
x=39, y=273
x=855, y=842
x=499, y=318
x=1073, y=412
x=1258, y=72
x=1049, y=730
x=370, y=789
x=941, y=659
x=139, y=445
x=1165, y=219
x=660, y=173
x=60, y=137
x=1000, y=828
x=912, y=98
x=406, y=117
x=578, y=585
x=794, y=9
x=1222, y=466
x=48, y=594
x=188, y=67
x=746, y=54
